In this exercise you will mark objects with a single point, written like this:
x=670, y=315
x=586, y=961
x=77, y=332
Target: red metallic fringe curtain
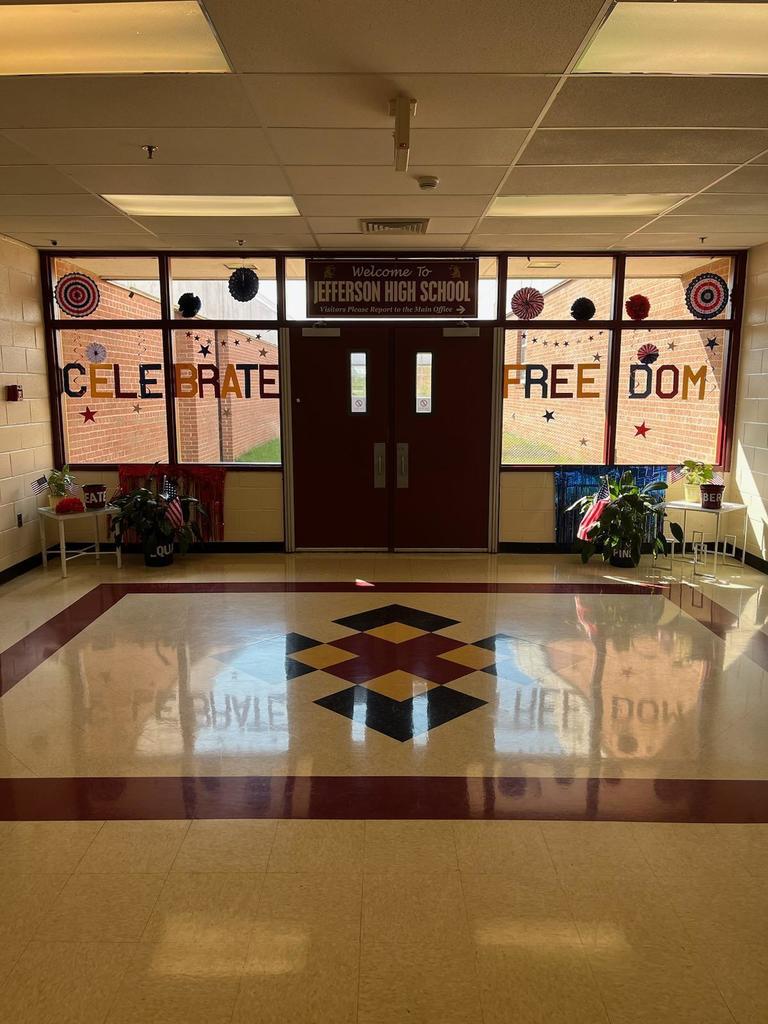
x=206, y=483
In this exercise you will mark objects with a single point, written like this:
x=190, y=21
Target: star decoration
x=258, y=337
x=671, y=346
x=712, y=344
x=565, y=344
x=262, y=351
x=548, y=415
x=189, y=334
x=223, y=344
x=137, y=407
x=642, y=430
x=596, y=357
x=592, y=337
x=583, y=442
x=226, y=411
x=557, y=344
x=89, y=416
x=546, y=342
x=237, y=341
x=205, y=350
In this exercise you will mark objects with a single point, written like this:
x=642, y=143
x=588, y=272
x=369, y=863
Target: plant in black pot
x=616, y=520
x=159, y=522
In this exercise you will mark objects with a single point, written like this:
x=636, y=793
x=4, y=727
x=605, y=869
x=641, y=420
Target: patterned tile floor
x=617, y=704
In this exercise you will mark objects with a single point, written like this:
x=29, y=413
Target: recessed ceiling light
x=581, y=205
x=107, y=38
x=542, y=264
x=205, y=206
x=681, y=39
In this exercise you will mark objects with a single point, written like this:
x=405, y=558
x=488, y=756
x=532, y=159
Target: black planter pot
x=158, y=552
x=622, y=559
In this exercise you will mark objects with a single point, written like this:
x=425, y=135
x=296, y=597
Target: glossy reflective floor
x=276, y=790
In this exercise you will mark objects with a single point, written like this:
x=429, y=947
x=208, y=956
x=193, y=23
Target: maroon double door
x=391, y=437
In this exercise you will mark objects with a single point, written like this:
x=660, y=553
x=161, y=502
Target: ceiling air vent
x=394, y=227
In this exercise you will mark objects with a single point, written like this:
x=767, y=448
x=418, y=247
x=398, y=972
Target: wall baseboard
x=14, y=571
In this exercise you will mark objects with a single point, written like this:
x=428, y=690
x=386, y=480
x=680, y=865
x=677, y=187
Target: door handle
x=379, y=465
x=402, y=465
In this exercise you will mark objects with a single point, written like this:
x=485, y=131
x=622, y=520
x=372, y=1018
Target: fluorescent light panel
x=582, y=205
x=205, y=206
x=107, y=38
x=681, y=39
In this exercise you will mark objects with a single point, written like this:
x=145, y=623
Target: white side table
x=95, y=548
x=727, y=506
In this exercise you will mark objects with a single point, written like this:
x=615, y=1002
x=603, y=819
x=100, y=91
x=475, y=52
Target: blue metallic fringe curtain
x=574, y=482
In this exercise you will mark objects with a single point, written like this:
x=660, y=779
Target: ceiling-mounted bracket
x=402, y=108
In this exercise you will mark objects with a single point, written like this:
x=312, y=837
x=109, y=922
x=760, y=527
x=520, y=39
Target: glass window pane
x=113, y=403
x=669, y=396
x=554, y=397
x=106, y=288
x=663, y=280
x=210, y=279
x=561, y=280
x=227, y=385
x=358, y=382
x=423, y=382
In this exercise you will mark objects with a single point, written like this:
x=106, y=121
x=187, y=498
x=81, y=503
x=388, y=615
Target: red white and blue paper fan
x=95, y=352
x=77, y=295
x=647, y=354
x=527, y=303
x=706, y=296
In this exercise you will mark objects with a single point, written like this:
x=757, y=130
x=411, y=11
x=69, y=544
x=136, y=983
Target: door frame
x=449, y=331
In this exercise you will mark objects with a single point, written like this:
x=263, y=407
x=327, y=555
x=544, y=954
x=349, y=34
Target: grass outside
x=517, y=450
x=262, y=453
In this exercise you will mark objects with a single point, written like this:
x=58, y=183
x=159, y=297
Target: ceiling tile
x=362, y=101
x=152, y=178
x=533, y=243
x=235, y=227
x=78, y=240
x=349, y=225
x=333, y=146
x=692, y=242
x=124, y=145
x=650, y=101
x=392, y=206
x=254, y=240
x=77, y=205
x=723, y=203
x=400, y=35
x=749, y=179
x=392, y=242
x=561, y=225
x=31, y=180
x=11, y=153
x=627, y=146
x=706, y=224
x=103, y=101
x=372, y=181
x=465, y=145
x=622, y=180
x=87, y=225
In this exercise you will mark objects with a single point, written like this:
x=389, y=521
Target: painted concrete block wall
x=749, y=476
x=527, y=507
x=25, y=427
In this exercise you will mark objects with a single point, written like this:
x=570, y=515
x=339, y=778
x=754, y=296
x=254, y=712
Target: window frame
x=616, y=325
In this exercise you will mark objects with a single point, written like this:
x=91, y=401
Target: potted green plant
x=158, y=521
x=696, y=474
x=60, y=483
x=618, y=531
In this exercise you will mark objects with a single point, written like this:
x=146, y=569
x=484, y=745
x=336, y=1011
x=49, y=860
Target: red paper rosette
x=68, y=506
x=638, y=307
x=527, y=303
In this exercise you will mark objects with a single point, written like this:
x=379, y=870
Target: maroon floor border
x=391, y=797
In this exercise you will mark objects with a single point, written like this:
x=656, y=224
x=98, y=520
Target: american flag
x=595, y=510
x=39, y=485
x=174, y=513
x=676, y=474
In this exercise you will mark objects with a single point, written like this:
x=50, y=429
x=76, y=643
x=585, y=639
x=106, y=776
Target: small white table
x=727, y=506
x=95, y=514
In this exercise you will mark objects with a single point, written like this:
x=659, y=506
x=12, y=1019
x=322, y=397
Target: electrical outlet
x=19, y=519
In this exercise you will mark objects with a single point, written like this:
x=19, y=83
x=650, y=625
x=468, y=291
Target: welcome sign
x=392, y=287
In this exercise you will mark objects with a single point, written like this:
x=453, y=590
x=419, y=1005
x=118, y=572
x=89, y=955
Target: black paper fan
x=583, y=309
x=189, y=304
x=243, y=284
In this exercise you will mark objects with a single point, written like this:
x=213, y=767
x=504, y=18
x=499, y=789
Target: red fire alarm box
x=14, y=393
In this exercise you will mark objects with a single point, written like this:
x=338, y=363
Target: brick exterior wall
x=678, y=429
x=208, y=431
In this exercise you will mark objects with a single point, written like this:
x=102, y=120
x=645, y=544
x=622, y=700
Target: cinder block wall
x=25, y=427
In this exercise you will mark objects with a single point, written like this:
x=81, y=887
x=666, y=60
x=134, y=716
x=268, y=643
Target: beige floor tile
x=303, y=961
x=514, y=848
x=590, y=856
x=178, y=985
x=503, y=911
x=63, y=983
x=225, y=846
x=750, y=845
x=205, y=912
x=135, y=847
x=633, y=923
x=318, y=846
x=109, y=908
x=45, y=847
x=691, y=855
x=418, y=846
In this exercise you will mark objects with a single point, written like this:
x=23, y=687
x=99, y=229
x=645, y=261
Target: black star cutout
x=546, y=342
x=565, y=344
x=583, y=442
x=137, y=407
x=671, y=346
x=534, y=340
x=197, y=337
x=237, y=341
x=591, y=337
x=262, y=351
x=189, y=334
x=548, y=415
x=223, y=344
x=596, y=357
x=205, y=350
x=712, y=343
x=258, y=337
x=557, y=344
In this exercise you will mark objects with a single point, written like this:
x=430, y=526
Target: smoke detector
x=395, y=227
x=428, y=182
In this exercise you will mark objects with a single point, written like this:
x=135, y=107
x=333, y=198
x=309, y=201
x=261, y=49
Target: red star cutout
x=642, y=430
x=89, y=416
